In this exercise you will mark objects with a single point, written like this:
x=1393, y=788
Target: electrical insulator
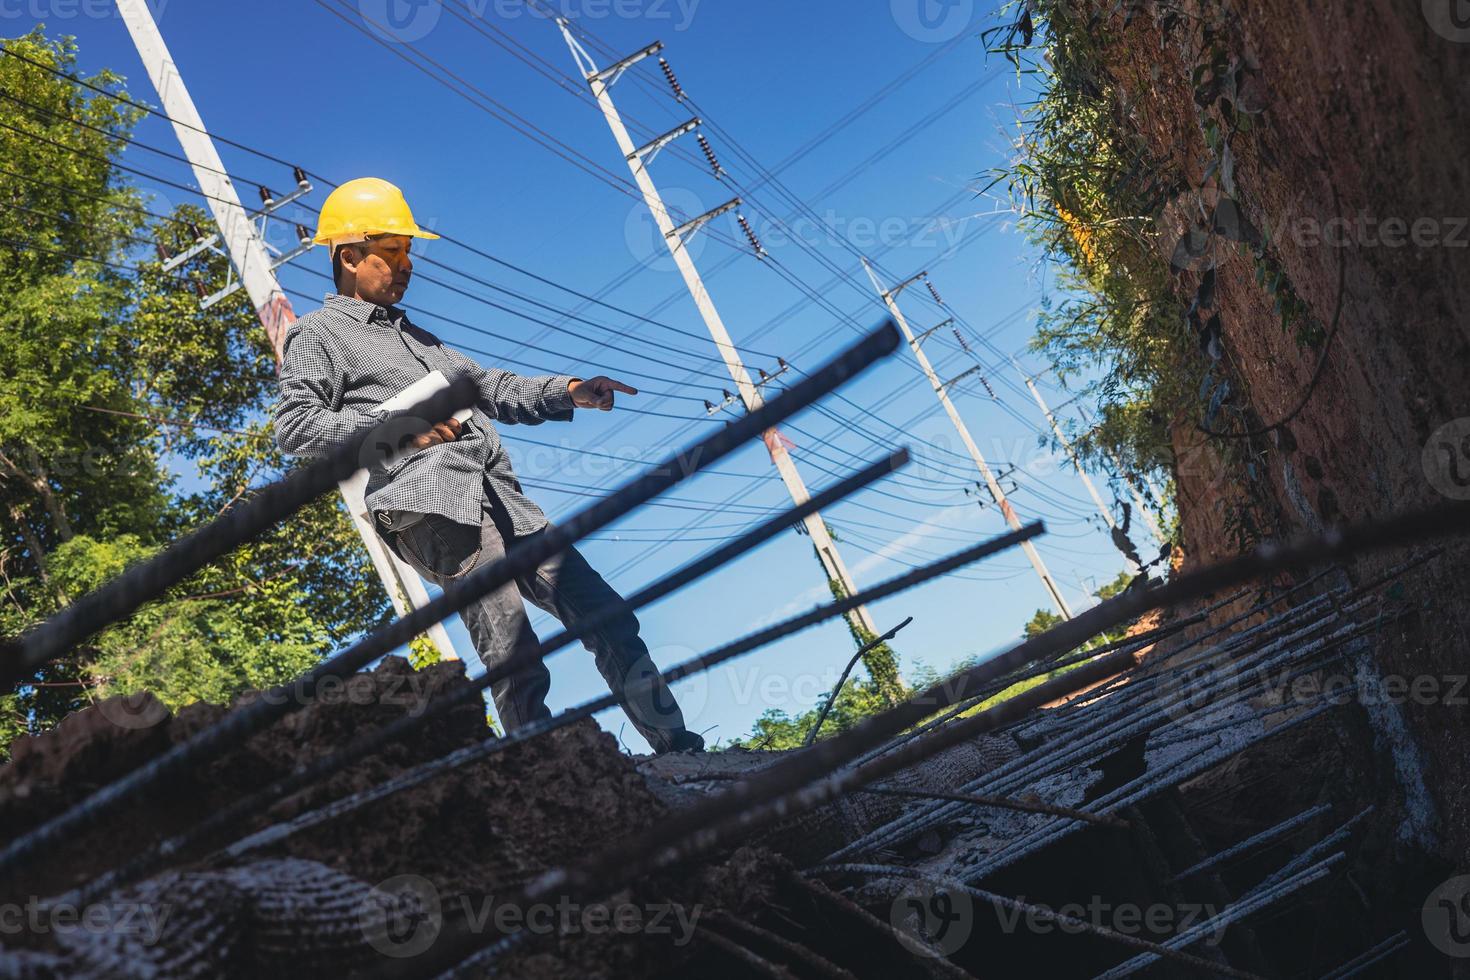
x=199, y=288
x=764, y=376
x=709, y=154
x=163, y=255
x=194, y=230
x=986, y=383
x=302, y=234
x=782, y=363
x=266, y=197
x=933, y=292
x=728, y=397
x=673, y=79
x=300, y=176
x=961, y=338
x=708, y=408
x=755, y=243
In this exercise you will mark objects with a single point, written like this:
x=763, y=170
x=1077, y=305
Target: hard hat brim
x=348, y=240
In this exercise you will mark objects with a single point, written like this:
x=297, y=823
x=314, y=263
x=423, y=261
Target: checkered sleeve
x=520, y=399
x=309, y=417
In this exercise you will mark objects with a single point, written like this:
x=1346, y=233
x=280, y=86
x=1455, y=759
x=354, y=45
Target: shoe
x=685, y=741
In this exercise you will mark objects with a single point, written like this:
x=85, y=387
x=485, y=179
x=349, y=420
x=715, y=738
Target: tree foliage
x=1091, y=196
x=129, y=416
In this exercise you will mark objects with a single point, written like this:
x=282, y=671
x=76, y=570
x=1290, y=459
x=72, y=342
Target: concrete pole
x=1144, y=510
x=890, y=298
x=1102, y=508
x=254, y=267
x=600, y=82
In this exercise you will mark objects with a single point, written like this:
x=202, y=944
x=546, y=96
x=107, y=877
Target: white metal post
x=890, y=298
x=1102, y=508
x=1144, y=510
x=600, y=81
x=254, y=267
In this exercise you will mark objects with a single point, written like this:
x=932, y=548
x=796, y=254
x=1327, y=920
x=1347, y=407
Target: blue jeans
x=564, y=585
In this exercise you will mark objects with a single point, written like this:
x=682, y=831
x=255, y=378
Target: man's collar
x=361, y=310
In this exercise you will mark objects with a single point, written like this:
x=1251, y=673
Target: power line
x=448, y=238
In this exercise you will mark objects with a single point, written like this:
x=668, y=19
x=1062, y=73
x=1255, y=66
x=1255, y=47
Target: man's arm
x=519, y=398
x=306, y=424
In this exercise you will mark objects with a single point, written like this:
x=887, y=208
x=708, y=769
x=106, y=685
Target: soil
x=481, y=832
x=1367, y=115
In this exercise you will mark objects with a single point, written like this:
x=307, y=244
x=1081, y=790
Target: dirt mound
x=455, y=849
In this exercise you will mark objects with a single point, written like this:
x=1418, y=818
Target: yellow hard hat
x=363, y=207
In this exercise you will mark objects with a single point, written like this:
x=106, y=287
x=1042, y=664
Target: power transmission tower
x=941, y=389
x=1102, y=508
x=600, y=81
x=253, y=265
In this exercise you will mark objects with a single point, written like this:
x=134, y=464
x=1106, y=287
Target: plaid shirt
x=345, y=359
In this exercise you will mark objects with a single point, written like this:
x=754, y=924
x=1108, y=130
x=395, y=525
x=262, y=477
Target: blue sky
x=897, y=183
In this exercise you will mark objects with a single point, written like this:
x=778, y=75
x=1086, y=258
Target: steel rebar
x=246, y=720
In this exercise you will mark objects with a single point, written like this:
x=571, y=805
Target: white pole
x=253, y=265
x=749, y=393
x=1144, y=510
x=1102, y=508
x=960, y=427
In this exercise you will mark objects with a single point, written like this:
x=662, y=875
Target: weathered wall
x=1368, y=120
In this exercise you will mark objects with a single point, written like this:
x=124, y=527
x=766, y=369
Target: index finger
x=619, y=386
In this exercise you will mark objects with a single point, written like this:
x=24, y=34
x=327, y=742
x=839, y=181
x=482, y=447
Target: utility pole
x=890, y=297
x=1102, y=508
x=253, y=265
x=601, y=81
x=1143, y=508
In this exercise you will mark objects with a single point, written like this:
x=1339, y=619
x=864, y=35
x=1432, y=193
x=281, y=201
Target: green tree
x=101, y=345
x=1090, y=195
x=1044, y=620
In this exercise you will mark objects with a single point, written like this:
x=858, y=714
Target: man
x=452, y=502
